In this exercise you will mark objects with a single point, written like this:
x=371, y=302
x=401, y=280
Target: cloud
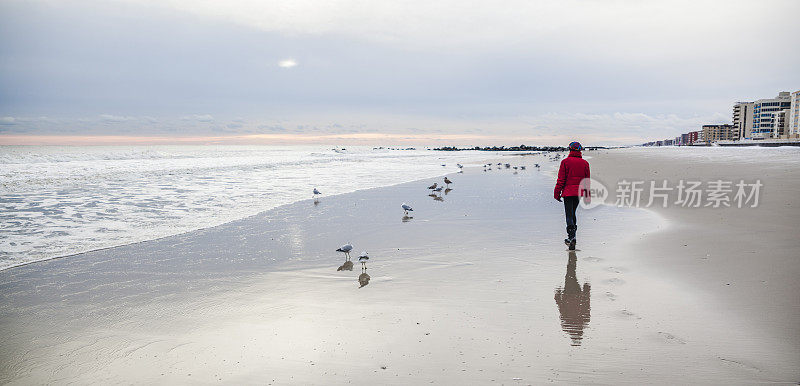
x=287, y=63
x=272, y=128
x=205, y=118
x=114, y=118
x=622, y=127
x=614, y=69
x=635, y=126
x=646, y=31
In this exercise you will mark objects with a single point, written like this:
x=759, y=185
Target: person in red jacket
x=571, y=186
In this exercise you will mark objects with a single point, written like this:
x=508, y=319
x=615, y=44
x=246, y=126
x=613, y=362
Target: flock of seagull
x=435, y=189
x=500, y=165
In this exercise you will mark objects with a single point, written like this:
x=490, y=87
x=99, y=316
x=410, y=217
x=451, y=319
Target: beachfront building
x=765, y=124
x=689, y=138
x=714, y=133
x=743, y=119
x=793, y=125
x=781, y=122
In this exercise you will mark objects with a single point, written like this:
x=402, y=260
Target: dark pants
x=570, y=204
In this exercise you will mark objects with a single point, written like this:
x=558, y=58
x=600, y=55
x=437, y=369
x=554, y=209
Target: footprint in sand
x=616, y=269
x=669, y=338
x=627, y=314
x=593, y=259
x=615, y=281
x=741, y=364
x=611, y=296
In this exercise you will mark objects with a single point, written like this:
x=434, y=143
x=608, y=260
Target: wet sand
x=742, y=261
x=476, y=288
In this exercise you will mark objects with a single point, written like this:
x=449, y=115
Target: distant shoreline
x=513, y=148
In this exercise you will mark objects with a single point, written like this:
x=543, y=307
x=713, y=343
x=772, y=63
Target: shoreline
x=461, y=292
x=212, y=226
x=400, y=274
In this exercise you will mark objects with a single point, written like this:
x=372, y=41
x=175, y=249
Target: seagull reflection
x=363, y=279
x=573, y=302
x=347, y=266
x=438, y=198
x=407, y=218
x=448, y=190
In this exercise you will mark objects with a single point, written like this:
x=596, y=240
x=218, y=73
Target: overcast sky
x=604, y=72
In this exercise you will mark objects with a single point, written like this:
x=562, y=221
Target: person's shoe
x=566, y=241
x=571, y=244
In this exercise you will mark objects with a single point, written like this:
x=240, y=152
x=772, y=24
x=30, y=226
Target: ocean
x=62, y=200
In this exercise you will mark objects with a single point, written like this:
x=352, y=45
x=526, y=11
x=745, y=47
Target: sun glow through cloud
x=287, y=63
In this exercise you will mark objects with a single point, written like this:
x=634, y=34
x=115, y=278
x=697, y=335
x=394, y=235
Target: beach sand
x=744, y=261
x=476, y=288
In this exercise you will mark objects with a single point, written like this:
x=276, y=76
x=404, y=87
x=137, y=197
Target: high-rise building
x=781, y=122
x=764, y=110
x=743, y=119
x=793, y=125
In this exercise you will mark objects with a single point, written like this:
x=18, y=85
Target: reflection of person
x=573, y=302
x=572, y=171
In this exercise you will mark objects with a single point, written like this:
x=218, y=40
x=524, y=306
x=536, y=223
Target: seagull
x=345, y=249
x=522, y=168
x=407, y=208
x=363, y=258
x=444, y=164
x=316, y=192
x=447, y=181
x=439, y=189
x=432, y=187
x=460, y=166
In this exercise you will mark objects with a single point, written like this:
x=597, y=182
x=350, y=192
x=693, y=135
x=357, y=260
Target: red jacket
x=573, y=169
